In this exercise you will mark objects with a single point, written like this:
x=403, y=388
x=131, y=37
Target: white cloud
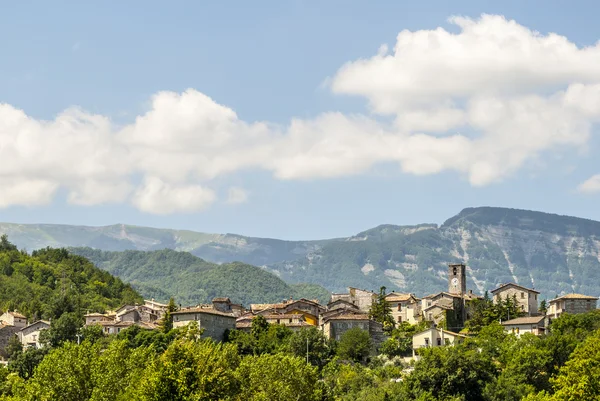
x=157, y=197
x=483, y=102
x=591, y=185
x=236, y=195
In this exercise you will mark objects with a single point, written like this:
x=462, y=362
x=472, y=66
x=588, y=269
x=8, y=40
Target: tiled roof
x=259, y=307
x=524, y=320
x=347, y=316
x=242, y=325
x=221, y=299
x=284, y=316
x=209, y=311
x=514, y=285
x=575, y=296
x=394, y=297
x=441, y=306
x=95, y=314
x=36, y=322
x=16, y=314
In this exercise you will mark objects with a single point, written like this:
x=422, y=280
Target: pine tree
x=381, y=311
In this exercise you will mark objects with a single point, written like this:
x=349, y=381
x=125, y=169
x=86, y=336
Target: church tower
x=457, y=279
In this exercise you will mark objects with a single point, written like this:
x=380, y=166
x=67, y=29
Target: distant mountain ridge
x=555, y=254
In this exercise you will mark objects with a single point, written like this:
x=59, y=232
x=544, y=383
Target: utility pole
x=307, y=350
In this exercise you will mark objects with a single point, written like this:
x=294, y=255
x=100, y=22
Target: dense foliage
x=51, y=282
x=166, y=273
x=269, y=362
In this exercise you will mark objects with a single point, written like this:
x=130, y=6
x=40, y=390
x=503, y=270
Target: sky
x=296, y=119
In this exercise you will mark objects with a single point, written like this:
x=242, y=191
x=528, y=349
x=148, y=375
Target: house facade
x=29, y=336
x=530, y=324
x=335, y=326
x=435, y=337
x=214, y=322
x=13, y=319
x=571, y=303
x=527, y=298
x=363, y=299
x=405, y=307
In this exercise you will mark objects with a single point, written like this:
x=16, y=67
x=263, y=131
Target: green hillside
x=191, y=280
x=49, y=282
x=555, y=254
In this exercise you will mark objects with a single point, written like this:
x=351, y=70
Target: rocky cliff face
x=554, y=254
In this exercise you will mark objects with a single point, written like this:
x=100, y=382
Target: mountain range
x=551, y=253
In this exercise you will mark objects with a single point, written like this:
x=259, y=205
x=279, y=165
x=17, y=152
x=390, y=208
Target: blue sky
x=281, y=62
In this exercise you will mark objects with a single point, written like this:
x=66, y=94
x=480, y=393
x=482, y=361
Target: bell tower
x=457, y=279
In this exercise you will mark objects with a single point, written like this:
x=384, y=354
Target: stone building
x=146, y=316
x=10, y=324
x=224, y=304
x=363, y=299
x=13, y=319
x=29, y=336
x=335, y=326
x=310, y=309
x=215, y=323
x=571, y=303
x=336, y=308
x=405, y=307
x=529, y=324
x=527, y=298
x=435, y=337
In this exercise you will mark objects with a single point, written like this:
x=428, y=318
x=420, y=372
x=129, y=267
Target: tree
x=62, y=329
x=543, y=307
x=278, y=378
x=14, y=347
x=190, y=370
x=447, y=372
x=6, y=245
x=579, y=379
x=312, y=340
x=25, y=362
x=381, y=311
x=355, y=345
x=167, y=321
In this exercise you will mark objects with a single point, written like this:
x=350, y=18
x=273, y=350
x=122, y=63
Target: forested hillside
x=555, y=254
x=191, y=280
x=50, y=282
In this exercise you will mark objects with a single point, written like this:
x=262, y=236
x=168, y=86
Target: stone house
x=310, y=309
x=527, y=298
x=224, y=304
x=529, y=324
x=336, y=308
x=451, y=308
x=215, y=323
x=29, y=336
x=93, y=318
x=294, y=321
x=13, y=319
x=363, y=299
x=405, y=307
x=335, y=326
x=435, y=337
x=571, y=303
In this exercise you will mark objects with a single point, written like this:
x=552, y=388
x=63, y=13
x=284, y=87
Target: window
x=399, y=306
x=427, y=342
x=290, y=320
x=535, y=297
x=399, y=319
x=439, y=342
x=430, y=316
x=517, y=330
x=522, y=295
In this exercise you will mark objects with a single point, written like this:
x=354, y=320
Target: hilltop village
x=444, y=313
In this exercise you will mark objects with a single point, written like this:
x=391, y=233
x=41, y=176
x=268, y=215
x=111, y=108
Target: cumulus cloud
x=482, y=102
x=158, y=197
x=236, y=195
x=591, y=185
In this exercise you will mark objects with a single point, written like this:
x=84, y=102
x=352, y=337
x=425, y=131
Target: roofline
x=515, y=285
x=587, y=297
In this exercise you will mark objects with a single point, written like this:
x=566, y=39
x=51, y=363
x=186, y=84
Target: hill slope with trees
x=191, y=280
x=51, y=282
